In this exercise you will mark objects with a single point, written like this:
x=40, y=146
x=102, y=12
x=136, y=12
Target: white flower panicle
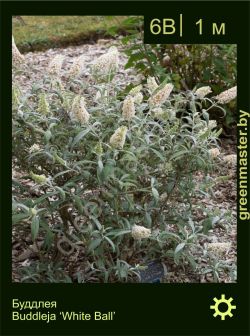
x=34, y=148
x=219, y=248
x=78, y=111
x=106, y=65
x=161, y=96
x=203, y=91
x=135, y=90
x=214, y=152
x=118, y=139
x=138, y=98
x=226, y=96
x=98, y=149
x=136, y=94
x=140, y=232
x=128, y=108
x=151, y=84
x=76, y=68
x=55, y=65
x=158, y=112
x=43, y=105
x=17, y=57
x=231, y=159
x=39, y=179
x=212, y=124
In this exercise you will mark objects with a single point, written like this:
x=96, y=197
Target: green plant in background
x=110, y=175
x=184, y=65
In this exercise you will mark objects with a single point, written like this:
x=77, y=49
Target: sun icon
x=223, y=301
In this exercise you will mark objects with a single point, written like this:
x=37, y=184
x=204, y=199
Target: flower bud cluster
x=78, y=111
x=161, y=96
x=117, y=140
x=139, y=232
x=203, y=91
x=226, y=96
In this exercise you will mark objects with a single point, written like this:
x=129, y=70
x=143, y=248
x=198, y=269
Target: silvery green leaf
x=179, y=247
x=94, y=244
x=155, y=194
x=34, y=227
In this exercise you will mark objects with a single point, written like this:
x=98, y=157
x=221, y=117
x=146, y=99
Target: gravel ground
x=39, y=62
x=221, y=202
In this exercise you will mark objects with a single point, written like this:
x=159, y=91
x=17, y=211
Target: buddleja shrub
x=105, y=180
x=185, y=65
